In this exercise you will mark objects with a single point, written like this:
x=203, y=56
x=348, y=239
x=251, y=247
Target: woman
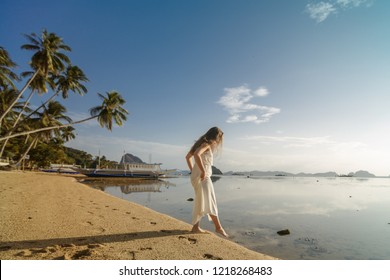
x=205, y=201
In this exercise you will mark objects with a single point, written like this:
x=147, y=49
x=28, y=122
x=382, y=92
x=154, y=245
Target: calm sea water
x=328, y=218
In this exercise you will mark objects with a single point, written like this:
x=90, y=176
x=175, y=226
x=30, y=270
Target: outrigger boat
x=61, y=168
x=131, y=170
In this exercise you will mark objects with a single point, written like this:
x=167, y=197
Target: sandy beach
x=49, y=216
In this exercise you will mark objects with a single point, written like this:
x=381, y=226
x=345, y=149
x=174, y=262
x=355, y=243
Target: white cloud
x=262, y=91
x=322, y=10
x=353, y=3
x=237, y=102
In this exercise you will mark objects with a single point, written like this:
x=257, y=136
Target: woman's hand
x=202, y=175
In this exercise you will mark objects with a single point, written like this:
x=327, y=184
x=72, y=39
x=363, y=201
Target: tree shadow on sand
x=86, y=240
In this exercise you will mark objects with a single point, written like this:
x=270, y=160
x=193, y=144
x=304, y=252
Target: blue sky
x=295, y=85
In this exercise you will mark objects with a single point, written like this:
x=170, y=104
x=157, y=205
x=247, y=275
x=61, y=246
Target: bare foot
x=197, y=230
x=222, y=232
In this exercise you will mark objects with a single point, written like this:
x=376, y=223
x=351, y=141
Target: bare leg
x=218, y=227
x=196, y=228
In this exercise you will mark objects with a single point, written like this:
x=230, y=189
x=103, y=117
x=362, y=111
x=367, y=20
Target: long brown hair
x=214, y=136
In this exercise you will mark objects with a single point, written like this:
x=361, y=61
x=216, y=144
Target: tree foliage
x=42, y=132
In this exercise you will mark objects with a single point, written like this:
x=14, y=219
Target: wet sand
x=49, y=216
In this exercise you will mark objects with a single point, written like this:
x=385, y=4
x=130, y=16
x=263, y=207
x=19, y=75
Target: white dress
x=205, y=202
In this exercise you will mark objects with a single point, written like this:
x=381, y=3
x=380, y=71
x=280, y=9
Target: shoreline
x=47, y=216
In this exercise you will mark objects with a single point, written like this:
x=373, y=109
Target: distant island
x=257, y=173
x=129, y=158
x=359, y=174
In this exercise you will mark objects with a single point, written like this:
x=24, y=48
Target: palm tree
x=7, y=76
x=7, y=89
x=67, y=134
x=39, y=85
x=110, y=110
x=47, y=59
x=70, y=80
x=6, y=98
x=52, y=115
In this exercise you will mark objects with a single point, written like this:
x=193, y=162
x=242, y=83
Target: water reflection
x=215, y=178
x=329, y=218
x=130, y=186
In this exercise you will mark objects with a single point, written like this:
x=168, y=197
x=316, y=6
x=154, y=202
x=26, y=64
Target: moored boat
x=61, y=168
x=130, y=170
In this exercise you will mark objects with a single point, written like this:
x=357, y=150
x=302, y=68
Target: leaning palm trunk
x=33, y=142
x=16, y=122
x=3, y=147
x=18, y=97
x=33, y=112
x=24, y=108
x=42, y=105
x=45, y=129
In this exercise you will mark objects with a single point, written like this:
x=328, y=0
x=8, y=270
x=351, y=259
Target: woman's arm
x=189, y=161
x=198, y=159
